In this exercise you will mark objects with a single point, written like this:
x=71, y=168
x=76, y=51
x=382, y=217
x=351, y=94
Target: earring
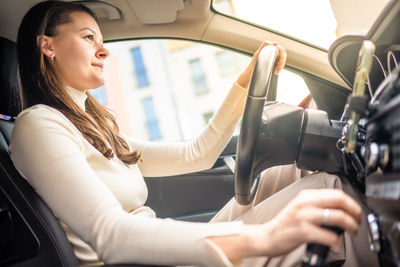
x=52, y=58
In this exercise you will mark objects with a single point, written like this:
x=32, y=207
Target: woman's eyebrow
x=93, y=31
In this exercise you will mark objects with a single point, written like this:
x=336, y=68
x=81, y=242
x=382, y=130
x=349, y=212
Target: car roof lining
x=156, y=11
x=196, y=21
x=215, y=28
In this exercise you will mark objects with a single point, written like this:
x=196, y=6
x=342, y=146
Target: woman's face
x=79, y=52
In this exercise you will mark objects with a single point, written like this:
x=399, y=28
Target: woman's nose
x=102, y=53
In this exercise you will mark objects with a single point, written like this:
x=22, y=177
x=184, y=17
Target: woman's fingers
x=341, y=219
x=330, y=217
x=302, y=219
x=282, y=58
x=331, y=199
x=244, y=78
x=329, y=207
x=282, y=55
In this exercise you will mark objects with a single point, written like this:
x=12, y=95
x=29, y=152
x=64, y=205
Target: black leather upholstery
x=9, y=100
x=48, y=245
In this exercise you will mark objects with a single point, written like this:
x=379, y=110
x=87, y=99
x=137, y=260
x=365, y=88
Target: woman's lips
x=99, y=65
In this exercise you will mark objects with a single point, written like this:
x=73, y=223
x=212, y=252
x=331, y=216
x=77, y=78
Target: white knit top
x=100, y=202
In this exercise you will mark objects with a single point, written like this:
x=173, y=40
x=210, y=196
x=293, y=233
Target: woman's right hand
x=244, y=78
x=301, y=220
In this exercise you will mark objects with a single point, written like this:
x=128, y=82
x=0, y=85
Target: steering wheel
x=245, y=181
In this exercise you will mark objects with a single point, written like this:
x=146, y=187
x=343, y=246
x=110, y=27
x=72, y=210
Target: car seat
x=30, y=235
x=33, y=235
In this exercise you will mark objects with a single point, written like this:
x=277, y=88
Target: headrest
x=10, y=103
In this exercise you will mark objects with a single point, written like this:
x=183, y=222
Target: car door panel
x=195, y=196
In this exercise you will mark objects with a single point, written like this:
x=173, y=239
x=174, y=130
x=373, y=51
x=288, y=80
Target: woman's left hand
x=244, y=78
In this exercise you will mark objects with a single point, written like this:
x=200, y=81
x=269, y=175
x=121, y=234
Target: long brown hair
x=41, y=83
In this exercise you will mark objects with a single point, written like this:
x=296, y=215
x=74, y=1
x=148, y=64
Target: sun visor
x=156, y=11
x=103, y=10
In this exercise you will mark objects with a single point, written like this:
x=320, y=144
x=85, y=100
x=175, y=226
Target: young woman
x=70, y=150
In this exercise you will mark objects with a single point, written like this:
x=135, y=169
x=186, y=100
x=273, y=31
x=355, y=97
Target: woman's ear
x=45, y=43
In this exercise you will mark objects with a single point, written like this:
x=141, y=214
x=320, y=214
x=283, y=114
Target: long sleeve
x=162, y=159
x=102, y=201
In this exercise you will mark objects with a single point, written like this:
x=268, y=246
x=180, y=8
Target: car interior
x=351, y=133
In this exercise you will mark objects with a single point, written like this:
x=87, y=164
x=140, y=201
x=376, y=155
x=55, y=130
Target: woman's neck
x=78, y=96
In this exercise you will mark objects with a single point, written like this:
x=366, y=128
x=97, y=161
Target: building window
x=151, y=118
x=100, y=95
x=226, y=62
x=198, y=76
x=140, y=69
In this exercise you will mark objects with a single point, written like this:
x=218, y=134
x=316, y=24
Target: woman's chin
x=97, y=84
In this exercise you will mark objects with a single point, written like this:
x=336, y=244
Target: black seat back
x=30, y=235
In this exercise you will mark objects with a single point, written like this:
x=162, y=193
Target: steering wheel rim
x=245, y=181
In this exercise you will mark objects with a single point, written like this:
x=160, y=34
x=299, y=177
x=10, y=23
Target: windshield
x=318, y=22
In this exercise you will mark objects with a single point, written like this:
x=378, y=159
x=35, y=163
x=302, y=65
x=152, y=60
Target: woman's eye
x=90, y=37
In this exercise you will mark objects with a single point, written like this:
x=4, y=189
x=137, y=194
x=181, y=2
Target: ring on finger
x=325, y=216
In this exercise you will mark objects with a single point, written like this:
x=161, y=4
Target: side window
x=189, y=80
x=226, y=62
x=229, y=62
x=100, y=95
x=207, y=116
x=292, y=89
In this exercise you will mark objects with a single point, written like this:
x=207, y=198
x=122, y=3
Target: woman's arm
x=173, y=158
x=52, y=155
x=163, y=159
x=244, y=78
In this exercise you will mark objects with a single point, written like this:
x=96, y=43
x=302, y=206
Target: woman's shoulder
x=39, y=112
x=39, y=116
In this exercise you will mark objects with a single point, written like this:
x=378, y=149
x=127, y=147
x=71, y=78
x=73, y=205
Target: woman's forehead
x=82, y=20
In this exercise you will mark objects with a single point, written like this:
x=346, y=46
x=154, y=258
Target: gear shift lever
x=316, y=253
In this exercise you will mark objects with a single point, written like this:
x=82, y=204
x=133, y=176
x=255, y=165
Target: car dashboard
x=375, y=161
